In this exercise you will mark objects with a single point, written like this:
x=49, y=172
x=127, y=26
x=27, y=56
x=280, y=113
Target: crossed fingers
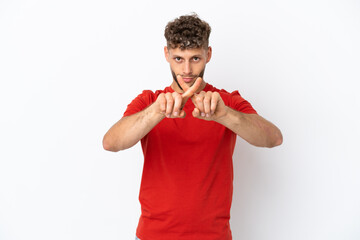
x=189, y=91
x=208, y=105
x=171, y=104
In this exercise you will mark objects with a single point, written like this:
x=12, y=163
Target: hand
x=171, y=104
x=208, y=105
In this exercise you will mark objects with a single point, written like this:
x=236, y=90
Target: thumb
x=196, y=113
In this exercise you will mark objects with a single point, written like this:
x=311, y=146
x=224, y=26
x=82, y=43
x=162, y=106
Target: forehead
x=187, y=52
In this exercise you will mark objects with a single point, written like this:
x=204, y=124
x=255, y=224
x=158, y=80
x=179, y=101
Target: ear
x=208, y=55
x=166, y=52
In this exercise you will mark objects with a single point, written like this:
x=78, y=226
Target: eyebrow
x=198, y=55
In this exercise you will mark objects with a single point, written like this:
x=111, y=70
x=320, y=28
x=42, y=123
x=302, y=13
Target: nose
x=187, y=68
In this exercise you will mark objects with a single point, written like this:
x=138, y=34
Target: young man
x=188, y=133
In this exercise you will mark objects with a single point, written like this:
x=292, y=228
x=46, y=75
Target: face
x=189, y=63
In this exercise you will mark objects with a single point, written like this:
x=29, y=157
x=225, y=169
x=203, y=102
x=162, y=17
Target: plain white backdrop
x=68, y=69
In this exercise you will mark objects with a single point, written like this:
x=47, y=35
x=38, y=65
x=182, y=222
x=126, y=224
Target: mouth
x=188, y=79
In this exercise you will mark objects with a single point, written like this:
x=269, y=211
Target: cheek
x=175, y=67
x=200, y=67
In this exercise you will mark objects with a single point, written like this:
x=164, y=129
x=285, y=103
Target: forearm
x=252, y=127
x=129, y=130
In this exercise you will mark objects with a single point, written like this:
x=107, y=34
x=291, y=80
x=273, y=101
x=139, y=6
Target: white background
x=69, y=68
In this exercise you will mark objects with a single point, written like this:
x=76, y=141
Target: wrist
x=224, y=115
x=154, y=111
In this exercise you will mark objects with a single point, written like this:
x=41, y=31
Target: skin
x=188, y=67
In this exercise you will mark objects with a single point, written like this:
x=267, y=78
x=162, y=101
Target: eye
x=196, y=59
x=177, y=59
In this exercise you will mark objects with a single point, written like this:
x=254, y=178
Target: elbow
x=114, y=145
x=109, y=145
x=277, y=140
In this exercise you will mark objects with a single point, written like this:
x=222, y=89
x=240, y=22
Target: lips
x=187, y=80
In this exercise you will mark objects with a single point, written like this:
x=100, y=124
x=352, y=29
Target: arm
x=251, y=127
x=131, y=129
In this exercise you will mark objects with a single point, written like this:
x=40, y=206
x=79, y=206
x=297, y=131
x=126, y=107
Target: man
x=188, y=133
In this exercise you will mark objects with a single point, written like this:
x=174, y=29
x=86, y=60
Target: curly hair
x=186, y=32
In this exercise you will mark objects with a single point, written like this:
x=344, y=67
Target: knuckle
x=161, y=96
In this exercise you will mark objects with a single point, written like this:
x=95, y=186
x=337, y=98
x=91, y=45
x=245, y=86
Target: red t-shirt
x=187, y=181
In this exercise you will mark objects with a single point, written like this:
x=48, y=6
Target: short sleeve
x=235, y=101
x=141, y=102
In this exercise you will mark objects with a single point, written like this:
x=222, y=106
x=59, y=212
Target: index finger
x=192, y=90
x=182, y=83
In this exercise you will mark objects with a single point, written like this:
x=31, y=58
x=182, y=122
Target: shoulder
x=149, y=96
x=143, y=100
x=224, y=93
x=232, y=99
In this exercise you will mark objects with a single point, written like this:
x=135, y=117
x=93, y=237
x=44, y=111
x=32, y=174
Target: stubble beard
x=201, y=74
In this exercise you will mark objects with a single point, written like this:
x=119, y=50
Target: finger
x=169, y=104
x=192, y=90
x=162, y=102
x=196, y=85
x=182, y=114
x=178, y=101
x=182, y=84
x=207, y=103
x=198, y=102
x=196, y=113
x=214, y=102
